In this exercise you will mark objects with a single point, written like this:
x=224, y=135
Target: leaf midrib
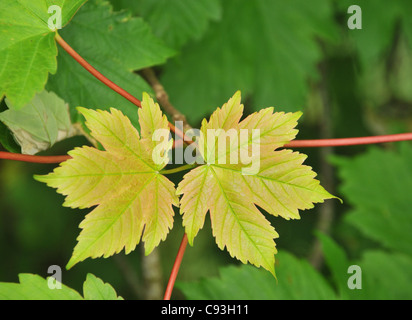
x=99, y=174
x=236, y=217
x=268, y=178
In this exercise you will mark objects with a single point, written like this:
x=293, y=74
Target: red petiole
x=106, y=81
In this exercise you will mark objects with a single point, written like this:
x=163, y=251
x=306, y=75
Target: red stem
x=96, y=73
x=293, y=144
x=108, y=82
x=175, y=269
x=348, y=141
x=33, y=159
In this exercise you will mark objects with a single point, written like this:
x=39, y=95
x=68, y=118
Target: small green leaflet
x=95, y=289
x=34, y=287
x=39, y=124
x=123, y=182
x=27, y=46
x=126, y=184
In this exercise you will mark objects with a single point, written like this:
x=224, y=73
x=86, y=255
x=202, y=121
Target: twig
x=163, y=98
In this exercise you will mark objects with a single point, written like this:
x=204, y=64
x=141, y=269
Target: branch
x=163, y=98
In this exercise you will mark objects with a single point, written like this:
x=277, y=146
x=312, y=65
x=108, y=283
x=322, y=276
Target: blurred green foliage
x=34, y=287
x=294, y=55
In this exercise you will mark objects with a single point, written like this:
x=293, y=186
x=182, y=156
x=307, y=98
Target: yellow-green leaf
x=123, y=181
x=231, y=189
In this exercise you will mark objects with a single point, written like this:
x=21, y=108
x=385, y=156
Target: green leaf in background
x=39, y=124
x=337, y=262
x=296, y=280
x=251, y=50
x=174, y=21
x=383, y=275
x=378, y=185
x=34, y=287
x=115, y=44
x=378, y=18
x=27, y=46
x=384, y=48
x=95, y=289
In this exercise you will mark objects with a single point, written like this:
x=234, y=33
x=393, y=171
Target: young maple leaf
x=231, y=192
x=123, y=182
